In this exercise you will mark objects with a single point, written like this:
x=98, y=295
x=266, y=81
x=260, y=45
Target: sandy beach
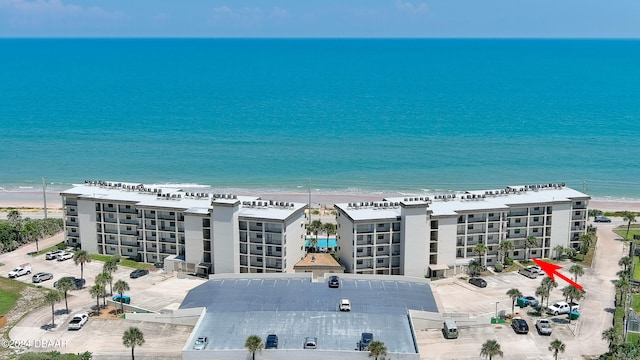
x=34, y=200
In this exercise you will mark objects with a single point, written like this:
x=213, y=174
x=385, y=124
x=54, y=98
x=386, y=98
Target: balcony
x=273, y=241
x=124, y=210
x=364, y=266
x=72, y=211
x=168, y=240
x=274, y=265
x=384, y=252
x=274, y=253
x=112, y=220
x=475, y=231
x=111, y=241
x=364, y=242
x=71, y=223
x=109, y=209
x=255, y=240
x=167, y=228
x=129, y=232
x=254, y=227
x=364, y=229
x=163, y=216
x=152, y=248
x=129, y=221
x=129, y=243
x=476, y=219
x=273, y=229
x=382, y=241
x=256, y=252
x=169, y=251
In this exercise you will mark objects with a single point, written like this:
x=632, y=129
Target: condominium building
x=434, y=236
x=193, y=232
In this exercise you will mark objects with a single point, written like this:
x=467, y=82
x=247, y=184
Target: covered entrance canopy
x=437, y=270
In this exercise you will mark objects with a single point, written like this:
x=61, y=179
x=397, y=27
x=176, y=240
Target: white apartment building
x=199, y=232
x=420, y=236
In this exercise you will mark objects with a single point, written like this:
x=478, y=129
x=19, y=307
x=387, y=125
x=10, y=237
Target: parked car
x=536, y=269
x=520, y=326
x=64, y=256
x=201, y=343
x=532, y=301
x=79, y=282
x=528, y=273
x=562, y=307
x=334, y=282
x=601, y=218
x=138, y=273
x=478, y=282
x=345, y=305
x=365, y=339
x=78, y=321
x=544, y=327
x=41, y=276
x=311, y=343
x=53, y=254
x=23, y=269
x=272, y=342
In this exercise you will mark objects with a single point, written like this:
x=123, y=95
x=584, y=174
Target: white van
x=450, y=329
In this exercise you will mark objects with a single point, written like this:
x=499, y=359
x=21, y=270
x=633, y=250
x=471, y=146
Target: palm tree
x=570, y=252
x=548, y=284
x=253, y=344
x=110, y=266
x=480, y=249
x=313, y=244
x=530, y=242
x=97, y=290
x=120, y=287
x=577, y=271
x=81, y=257
x=65, y=285
x=586, y=241
x=629, y=217
x=377, y=349
x=102, y=279
x=625, y=261
x=475, y=268
x=611, y=336
x=15, y=218
x=543, y=292
x=14, y=215
x=52, y=297
x=572, y=293
x=623, y=286
x=133, y=337
x=491, y=348
x=505, y=246
x=556, y=347
x=514, y=294
x=329, y=228
x=559, y=249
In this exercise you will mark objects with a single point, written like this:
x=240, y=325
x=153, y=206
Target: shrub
x=498, y=267
x=578, y=257
x=508, y=261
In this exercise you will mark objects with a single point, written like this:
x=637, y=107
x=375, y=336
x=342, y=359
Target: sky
x=321, y=18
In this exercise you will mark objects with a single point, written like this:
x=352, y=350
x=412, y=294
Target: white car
x=345, y=305
x=78, y=321
x=201, y=343
x=53, y=254
x=65, y=256
x=536, y=269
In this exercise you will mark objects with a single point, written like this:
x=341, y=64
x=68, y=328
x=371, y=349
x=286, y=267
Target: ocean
x=351, y=116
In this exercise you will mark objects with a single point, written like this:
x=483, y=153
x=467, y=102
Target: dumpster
x=522, y=302
x=123, y=299
x=574, y=315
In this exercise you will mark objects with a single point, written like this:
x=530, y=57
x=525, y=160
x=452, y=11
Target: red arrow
x=552, y=269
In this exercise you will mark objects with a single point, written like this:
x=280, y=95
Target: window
x=535, y=230
x=380, y=237
x=172, y=223
x=129, y=250
x=490, y=214
x=127, y=207
x=517, y=221
x=536, y=208
x=535, y=218
x=128, y=228
x=516, y=231
x=380, y=225
x=577, y=212
x=470, y=226
x=490, y=226
x=380, y=261
x=172, y=213
x=258, y=247
x=128, y=217
x=471, y=216
x=380, y=248
x=359, y=262
x=515, y=253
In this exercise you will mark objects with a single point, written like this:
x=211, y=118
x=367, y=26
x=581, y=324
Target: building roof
x=318, y=260
x=294, y=307
x=453, y=204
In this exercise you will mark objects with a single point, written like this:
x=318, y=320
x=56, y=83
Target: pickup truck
x=562, y=307
x=23, y=269
x=544, y=327
x=78, y=321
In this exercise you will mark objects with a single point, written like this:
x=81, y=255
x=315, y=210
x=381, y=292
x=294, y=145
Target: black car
x=138, y=273
x=520, y=326
x=478, y=282
x=79, y=282
x=334, y=282
x=365, y=339
x=272, y=342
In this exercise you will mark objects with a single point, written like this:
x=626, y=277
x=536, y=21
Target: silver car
x=201, y=343
x=41, y=276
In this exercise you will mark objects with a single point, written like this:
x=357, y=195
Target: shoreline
x=34, y=200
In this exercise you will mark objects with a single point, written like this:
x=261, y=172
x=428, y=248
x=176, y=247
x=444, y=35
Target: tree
x=81, y=257
x=15, y=218
x=475, y=268
x=97, y=291
x=120, y=287
x=505, y=246
x=329, y=228
x=65, y=285
x=629, y=217
x=480, y=249
x=559, y=250
x=52, y=297
x=570, y=252
x=548, y=284
x=14, y=215
x=514, y=294
x=313, y=244
x=577, y=271
x=110, y=266
x=103, y=279
x=556, y=347
x=133, y=337
x=572, y=293
x=491, y=348
x=543, y=292
x=586, y=241
x=253, y=344
x=377, y=349
x=623, y=286
x=612, y=337
x=530, y=242
x=625, y=261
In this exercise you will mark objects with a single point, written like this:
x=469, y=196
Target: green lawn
x=617, y=319
x=9, y=292
x=123, y=262
x=622, y=231
x=636, y=302
x=633, y=337
x=636, y=268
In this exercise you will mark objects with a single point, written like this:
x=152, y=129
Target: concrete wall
x=423, y=320
x=447, y=235
x=225, y=237
x=295, y=233
x=194, y=247
x=177, y=317
x=87, y=226
x=287, y=354
x=560, y=225
x=345, y=237
x=414, y=243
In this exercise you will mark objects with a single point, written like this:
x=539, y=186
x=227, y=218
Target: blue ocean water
x=347, y=115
